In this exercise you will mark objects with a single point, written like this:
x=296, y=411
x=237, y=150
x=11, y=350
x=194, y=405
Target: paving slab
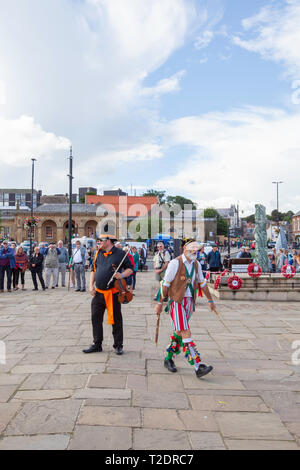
x=48, y=442
x=206, y=441
x=107, y=416
x=144, y=399
x=158, y=418
x=107, y=381
x=32, y=395
x=260, y=445
x=148, y=439
x=240, y=425
x=45, y=417
x=227, y=403
x=53, y=396
x=101, y=438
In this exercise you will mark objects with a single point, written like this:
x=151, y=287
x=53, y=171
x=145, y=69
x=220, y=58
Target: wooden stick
x=157, y=330
x=221, y=319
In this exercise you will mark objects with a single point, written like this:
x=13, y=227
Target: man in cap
x=182, y=279
x=105, y=296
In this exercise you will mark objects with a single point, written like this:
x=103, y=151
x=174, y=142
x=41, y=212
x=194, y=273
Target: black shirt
x=104, y=270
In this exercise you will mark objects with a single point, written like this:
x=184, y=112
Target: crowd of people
x=49, y=265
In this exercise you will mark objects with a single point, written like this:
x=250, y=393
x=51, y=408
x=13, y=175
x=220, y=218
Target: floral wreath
x=218, y=280
x=234, y=283
x=254, y=270
x=288, y=271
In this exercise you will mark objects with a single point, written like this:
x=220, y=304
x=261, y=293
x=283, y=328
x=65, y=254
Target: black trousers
x=40, y=276
x=8, y=271
x=98, y=308
x=16, y=275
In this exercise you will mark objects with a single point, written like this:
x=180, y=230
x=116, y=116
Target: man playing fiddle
x=105, y=296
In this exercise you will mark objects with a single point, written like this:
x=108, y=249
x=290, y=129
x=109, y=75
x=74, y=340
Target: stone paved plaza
x=52, y=396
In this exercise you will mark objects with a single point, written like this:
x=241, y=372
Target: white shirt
x=77, y=258
x=161, y=257
x=172, y=271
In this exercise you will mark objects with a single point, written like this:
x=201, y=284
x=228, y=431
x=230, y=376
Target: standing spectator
x=241, y=253
x=136, y=259
x=63, y=259
x=281, y=260
x=36, y=268
x=21, y=267
x=79, y=258
x=43, y=249
x=273, y=260
x=91, y=255
x=7, y=264
x=142, y=261
x=161, y=260
x=144, y=251
x=202, y=258
x=13, y=246
x=270, y=259
x=246, y=253
x=297, y=262
x=214, y=260
x=51, y=265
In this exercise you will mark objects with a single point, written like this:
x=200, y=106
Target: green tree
x=222, y=224
x=249, y=218
x=161, y=195
x=288, y=216
x=181, y=201
x=89, y=193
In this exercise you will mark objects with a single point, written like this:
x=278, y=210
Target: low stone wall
x=268, y=287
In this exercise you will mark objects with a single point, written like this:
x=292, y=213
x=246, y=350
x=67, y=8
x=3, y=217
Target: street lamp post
x=277, y=184
x=31, y=212
x=70, y=175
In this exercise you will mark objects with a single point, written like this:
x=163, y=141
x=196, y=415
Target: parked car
x=45, y=243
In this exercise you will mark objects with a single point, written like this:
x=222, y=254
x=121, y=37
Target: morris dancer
x=183, y=276
x=106, y=297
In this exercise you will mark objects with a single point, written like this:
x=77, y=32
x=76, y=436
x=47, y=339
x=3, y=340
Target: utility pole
x=31, y=212
x=277, y=184
x=70, y=175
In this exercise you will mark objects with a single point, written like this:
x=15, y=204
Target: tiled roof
x=64, y=208
x=124, y=204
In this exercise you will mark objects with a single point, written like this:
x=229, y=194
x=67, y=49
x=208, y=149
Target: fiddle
x=125, y=296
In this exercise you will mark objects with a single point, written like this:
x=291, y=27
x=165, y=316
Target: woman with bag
x=21, y=267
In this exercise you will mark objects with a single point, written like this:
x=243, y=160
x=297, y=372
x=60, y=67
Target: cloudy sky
x=198, y=98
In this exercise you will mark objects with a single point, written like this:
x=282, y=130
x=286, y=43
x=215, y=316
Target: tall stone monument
x=261, y=253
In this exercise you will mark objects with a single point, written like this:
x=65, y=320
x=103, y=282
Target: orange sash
x=108, y=297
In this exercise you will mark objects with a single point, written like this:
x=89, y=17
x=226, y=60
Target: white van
x=85, y=241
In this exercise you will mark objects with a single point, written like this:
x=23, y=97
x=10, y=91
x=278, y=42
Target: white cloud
x=80, y=70
x=2, y=93
x=21, y=139
x=274, y=33
x=167, y=85
x=204, y=39
x=236, y=155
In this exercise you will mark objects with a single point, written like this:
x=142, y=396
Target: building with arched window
x=87, y=220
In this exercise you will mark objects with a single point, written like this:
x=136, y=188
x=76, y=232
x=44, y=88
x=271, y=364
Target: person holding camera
x=161, y=261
